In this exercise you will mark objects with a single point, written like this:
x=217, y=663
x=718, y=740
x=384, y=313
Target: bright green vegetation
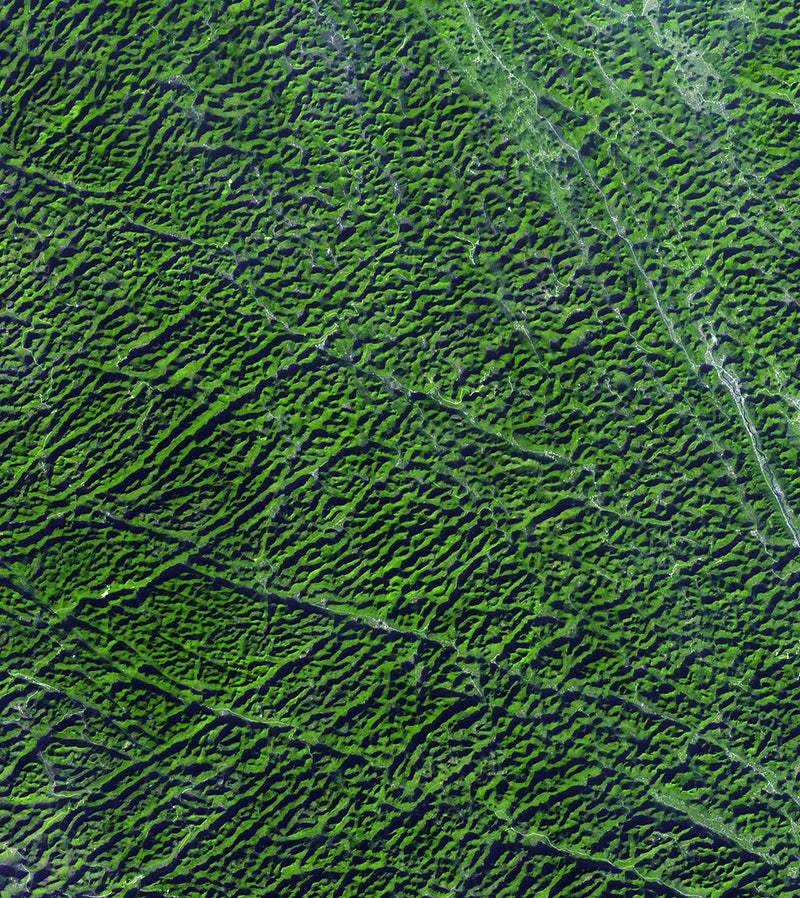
x=399, y=449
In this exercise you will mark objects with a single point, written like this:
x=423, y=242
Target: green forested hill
x=399, y=429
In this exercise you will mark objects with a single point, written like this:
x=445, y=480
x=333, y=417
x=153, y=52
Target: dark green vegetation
x=400, y=423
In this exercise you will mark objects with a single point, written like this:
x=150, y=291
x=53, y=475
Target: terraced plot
x=400, y=414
